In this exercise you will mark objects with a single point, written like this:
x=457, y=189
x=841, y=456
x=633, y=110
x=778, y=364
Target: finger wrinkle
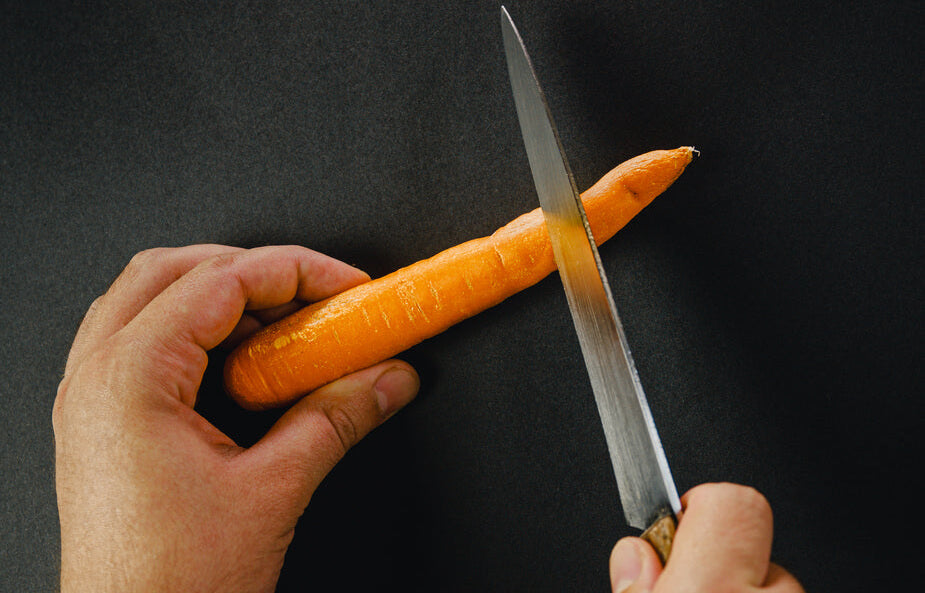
x=218, y=280
x=254, y=280
x=173, y=369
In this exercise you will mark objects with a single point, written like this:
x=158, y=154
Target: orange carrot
x=381, y=318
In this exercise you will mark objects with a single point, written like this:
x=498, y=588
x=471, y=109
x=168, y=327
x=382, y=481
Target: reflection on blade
x=644, y=480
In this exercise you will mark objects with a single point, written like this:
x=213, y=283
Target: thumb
x=313, y=435
x=634, y=566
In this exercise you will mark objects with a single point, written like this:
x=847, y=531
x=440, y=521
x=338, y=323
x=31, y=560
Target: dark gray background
x=772, y=296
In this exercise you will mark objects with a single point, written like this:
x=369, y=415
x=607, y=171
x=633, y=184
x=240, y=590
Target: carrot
x=381, y=318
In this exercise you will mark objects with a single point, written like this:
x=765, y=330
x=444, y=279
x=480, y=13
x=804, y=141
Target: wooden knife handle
x=661, y=535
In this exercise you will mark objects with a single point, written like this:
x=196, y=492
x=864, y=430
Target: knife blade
x=647, y=492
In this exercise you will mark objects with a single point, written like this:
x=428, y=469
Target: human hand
x=151, y=496
x=723, y=543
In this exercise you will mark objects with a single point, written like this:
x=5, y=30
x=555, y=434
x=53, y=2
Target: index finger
x=198, y=311
x=723, y=537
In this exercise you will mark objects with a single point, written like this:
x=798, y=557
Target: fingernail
x=394, y=389
x=626, y=565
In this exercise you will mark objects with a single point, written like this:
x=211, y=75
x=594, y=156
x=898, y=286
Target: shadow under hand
x=244, y=427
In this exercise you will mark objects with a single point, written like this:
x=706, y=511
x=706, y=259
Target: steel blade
x=647, y=490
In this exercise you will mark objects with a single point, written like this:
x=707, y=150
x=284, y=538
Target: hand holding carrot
x=152, y=497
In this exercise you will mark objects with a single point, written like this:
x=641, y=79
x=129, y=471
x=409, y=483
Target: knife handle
x=661, y=535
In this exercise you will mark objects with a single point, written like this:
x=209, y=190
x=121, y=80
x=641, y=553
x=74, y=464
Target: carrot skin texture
x=383, y=317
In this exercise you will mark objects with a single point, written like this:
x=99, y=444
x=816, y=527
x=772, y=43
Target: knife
x=647, y=491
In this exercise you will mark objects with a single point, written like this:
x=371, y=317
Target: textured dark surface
x=772, y=297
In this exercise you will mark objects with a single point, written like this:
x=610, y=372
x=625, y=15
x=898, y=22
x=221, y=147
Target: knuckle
x=91, y=317
x=144, y=258
x=755, y=500
x=141, y=261
x=222, y=260
x=744, y=501
x=220, y=265
x=95, y=306
x=344, y=425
